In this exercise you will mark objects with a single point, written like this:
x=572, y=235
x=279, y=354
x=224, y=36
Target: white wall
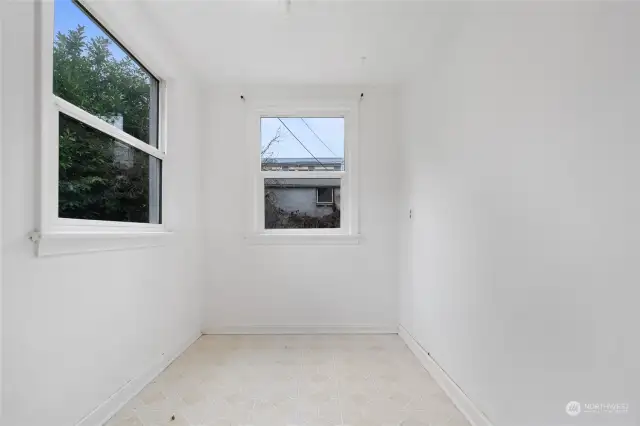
x=523, y=156
x=1, y=206
x=77, y=328
x=285, y=286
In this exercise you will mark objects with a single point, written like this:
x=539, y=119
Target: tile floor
x=356, y=380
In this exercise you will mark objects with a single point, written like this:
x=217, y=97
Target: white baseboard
x=475, y=416
x=110, y=407
x=301, y=329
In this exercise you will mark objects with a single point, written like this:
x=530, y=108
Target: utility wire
x=300, y=142
x=317, y=137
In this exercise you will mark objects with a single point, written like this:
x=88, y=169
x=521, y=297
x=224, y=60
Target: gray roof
x=327, y=161
x=302, y=183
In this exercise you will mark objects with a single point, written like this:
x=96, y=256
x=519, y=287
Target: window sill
x=303, y=239
x=64, y=243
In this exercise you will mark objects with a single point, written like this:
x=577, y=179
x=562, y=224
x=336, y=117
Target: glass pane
x=302, y=143
x=324, y=195
x=93, y=72
x=101, y=178
x=297, y=203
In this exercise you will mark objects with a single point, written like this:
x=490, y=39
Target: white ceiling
x=303, y=42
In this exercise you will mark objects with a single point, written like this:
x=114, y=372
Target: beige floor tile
x=125, y=418
x=293, y=381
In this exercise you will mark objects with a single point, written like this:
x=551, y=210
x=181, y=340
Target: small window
x=305, y=173
x=324, y=196
x=107, y=103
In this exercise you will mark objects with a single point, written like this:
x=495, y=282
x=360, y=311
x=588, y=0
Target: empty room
x=319, y=213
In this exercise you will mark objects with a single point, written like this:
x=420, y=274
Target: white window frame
x=325, y=203
x=1, y=210
x=348, y=232
x=50, y=108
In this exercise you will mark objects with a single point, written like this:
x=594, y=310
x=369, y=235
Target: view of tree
x=99, y=177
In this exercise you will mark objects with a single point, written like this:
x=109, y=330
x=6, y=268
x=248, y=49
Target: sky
x=68, y=16
x=329, y=130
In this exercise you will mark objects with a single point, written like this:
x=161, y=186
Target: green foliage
x=278, y=218
x=100, y=178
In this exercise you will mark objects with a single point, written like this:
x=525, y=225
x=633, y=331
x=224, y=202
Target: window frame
x=48, y=116
x=348, y=231
x=325, y=203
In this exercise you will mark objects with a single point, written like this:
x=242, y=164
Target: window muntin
x=107, y=108
x=101, y=178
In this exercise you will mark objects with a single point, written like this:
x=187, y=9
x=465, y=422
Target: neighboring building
x=302, y=164
x=316, y=198
x=123, y=154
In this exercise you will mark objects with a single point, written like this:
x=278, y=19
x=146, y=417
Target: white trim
x=306, y=239
x=64, y=243
x=163, y=116
x=350, y=184
x=91, y=120
x=301, y=329
x=87, y=225
x=1, y=207
x=101, y=414
x=49, y=108
x=475, y=416
x=311, y=232
x=47, y=115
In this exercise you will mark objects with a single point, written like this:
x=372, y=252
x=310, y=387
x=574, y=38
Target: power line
x=317, y=137
x=300, y=142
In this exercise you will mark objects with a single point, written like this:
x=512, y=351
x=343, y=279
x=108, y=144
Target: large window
x=106, y=120
x=306, y=175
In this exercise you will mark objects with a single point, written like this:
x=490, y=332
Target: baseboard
x=475, y=416
x=107, y=409
x=301, y=329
